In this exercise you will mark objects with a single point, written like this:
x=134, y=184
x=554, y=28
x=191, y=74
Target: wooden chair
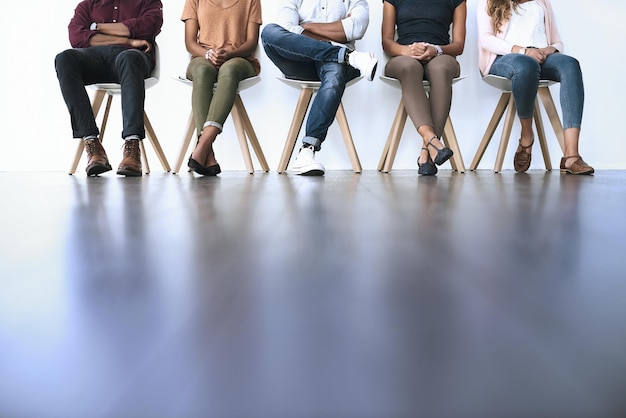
x=243, y=127
x=506, y=103
x=307, y=89
x=109, y=90
x=397, y=127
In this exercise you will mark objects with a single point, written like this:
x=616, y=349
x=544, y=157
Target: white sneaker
x=365, y=62
x=305, y=164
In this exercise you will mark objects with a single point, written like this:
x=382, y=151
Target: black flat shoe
x=427, y=168
x=212, y=170
x=443, y=154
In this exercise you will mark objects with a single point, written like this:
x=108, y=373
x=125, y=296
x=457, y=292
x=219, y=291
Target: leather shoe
x=131, y=161
x=98, y=162
x=578, y=167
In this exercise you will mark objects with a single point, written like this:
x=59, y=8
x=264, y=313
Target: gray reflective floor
x=372, y=295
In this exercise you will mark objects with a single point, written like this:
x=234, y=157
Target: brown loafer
x=521, y=160
x=578, y=167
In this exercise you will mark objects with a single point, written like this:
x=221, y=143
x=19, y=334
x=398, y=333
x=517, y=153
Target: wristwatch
x=94, y=26
x=439, y=50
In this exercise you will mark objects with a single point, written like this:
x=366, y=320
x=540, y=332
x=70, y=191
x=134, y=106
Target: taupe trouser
x=430, y=110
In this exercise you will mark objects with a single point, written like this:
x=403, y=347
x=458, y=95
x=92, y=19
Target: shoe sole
x=582, y=173
x=98, y=169
x=312, y=173
x=371, y=71
x=129, y=173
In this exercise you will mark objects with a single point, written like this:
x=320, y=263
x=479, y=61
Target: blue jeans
x=525, y=73
x=79, y=67
x=302, y=58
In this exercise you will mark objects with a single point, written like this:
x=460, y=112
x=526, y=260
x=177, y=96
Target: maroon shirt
x=143, y=18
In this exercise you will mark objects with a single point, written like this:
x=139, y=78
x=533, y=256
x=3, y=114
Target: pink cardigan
x=491, y=45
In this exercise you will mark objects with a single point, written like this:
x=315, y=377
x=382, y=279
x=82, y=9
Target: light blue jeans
x=302, y=58
x=525, y=73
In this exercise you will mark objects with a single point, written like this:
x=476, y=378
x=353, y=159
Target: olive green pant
x=214, y=90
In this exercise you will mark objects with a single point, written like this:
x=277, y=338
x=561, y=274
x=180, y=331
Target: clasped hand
x=539, y=54
x=217, y=56
x=420, y=51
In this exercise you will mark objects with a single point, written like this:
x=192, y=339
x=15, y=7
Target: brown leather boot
x=98, y=162
x=131, y=163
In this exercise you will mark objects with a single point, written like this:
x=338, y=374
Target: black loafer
x=212, y=170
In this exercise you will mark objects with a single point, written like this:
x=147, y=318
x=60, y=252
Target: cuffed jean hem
x=309, y=140
x=214, y=124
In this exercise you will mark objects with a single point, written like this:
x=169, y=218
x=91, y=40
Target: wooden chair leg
x=190, y=127
x=541, y=134
x=553, y=115
x=395, y=135
x=105, y=117
x=383, y=156
x=243, y=140
x=491, y=128
x=249, y=130
x=144, y=158
x=449, y=138
x=347, y=138
x=506, y=133
x=156, y=145
x=296, y=124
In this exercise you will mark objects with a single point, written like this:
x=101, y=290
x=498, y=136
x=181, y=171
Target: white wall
x=35, y=130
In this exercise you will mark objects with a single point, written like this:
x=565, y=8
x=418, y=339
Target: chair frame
x=307, y=89
x=114, y=89
x=397, y=128
x=243, y=127
x=507, y=103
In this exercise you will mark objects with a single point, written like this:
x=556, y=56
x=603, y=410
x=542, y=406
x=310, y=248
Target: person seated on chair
x=423, y=51
x=112, y=42
x=314, y=40
x=519, y=40
x=221, y=36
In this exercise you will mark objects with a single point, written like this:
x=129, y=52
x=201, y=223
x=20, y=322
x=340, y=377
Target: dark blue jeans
x=302, y=58
x=525, y=73
x=79, y=67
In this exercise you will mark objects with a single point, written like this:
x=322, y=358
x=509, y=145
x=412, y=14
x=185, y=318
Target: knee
x=269, y=33
x=572, y=67
x=63, y=60
x=531, y=70
x=131, y=59
x=404, y=68
x=203, y=73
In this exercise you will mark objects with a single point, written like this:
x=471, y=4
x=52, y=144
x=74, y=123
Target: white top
x=527, y=26
x=353, y=14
